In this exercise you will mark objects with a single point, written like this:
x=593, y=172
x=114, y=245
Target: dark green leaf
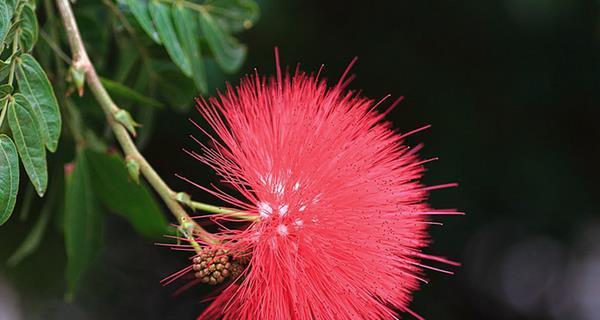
x=128, y=57
x=5, y=90
x=234, y=15
x=29, y=28
x=174, y=87
x=9, y=177
x=229, y=53
x=5, y=65
x=161, y=15
x=83, y=223
x=121, y=90
x=116, y=190
x=26, y=203
x=139, y=8
x=32, y=241
x=187, y=29
x=4, y=68
x=34, y=238
x=26, y=133
x=34, y=84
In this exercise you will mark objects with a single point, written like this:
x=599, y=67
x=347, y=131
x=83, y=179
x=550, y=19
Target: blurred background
x=512, y=90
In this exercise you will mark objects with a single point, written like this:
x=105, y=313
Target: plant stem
x=11, y=73
x=81, y=61
x=218, y=211
x=15, y=47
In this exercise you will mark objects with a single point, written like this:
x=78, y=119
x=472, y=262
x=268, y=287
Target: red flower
x=340, y=212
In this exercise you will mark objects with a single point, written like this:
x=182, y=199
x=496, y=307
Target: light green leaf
x=187, y=29
x=5, y=16
x=26, y=133
x=5, y=90
x=121, y=90
x=234, y=15
x=120, y=194
x=12, y=4
x=161, y=15
x=29, y=28
x=139, y=8
x=9, y=177
x=82, y=223
x=34, y=84
x=229, y=53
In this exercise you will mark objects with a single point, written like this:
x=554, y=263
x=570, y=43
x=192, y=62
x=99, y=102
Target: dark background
x=511, y=89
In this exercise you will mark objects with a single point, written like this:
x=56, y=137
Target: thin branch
x=82, y=61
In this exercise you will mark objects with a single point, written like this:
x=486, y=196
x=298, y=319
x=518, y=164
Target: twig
x=81, y=61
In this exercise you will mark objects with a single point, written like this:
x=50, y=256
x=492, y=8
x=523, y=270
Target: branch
x=81, y=61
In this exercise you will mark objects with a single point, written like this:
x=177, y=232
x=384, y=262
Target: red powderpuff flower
x=338, y=213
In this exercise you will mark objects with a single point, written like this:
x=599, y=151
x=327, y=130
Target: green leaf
x=26, y=41
x=26, y=133
x=82, y=223
x=34, y=238
x=121, y=90
x=27, y=200
x=12, y=4
x=235, y=15
x=139, y=8
x=32, y=241
x=34, y=84
x=5, y=64
x=5, y=90
x=4, y=68
x=5, y=16
x=187, y=30
x=229, y=53
x=161, y=16
x=29, y=28
x=9, y=177
x=120, y=194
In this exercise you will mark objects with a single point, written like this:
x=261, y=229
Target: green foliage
x=182, y=27
x=35, y=86
x=161, y=15
x=121, y=90
x=154, y=56
x=139, y=8
x=27, y=135
x=82, y=224
x=118, y=192
x=30, y=107
x=28, y=27
x=5, y=15
x=187, y=27
x=34, y=238
x=9, y=177
x=228, y=52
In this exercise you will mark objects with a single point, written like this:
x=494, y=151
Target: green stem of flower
x=81, y=61
x=222, y=211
